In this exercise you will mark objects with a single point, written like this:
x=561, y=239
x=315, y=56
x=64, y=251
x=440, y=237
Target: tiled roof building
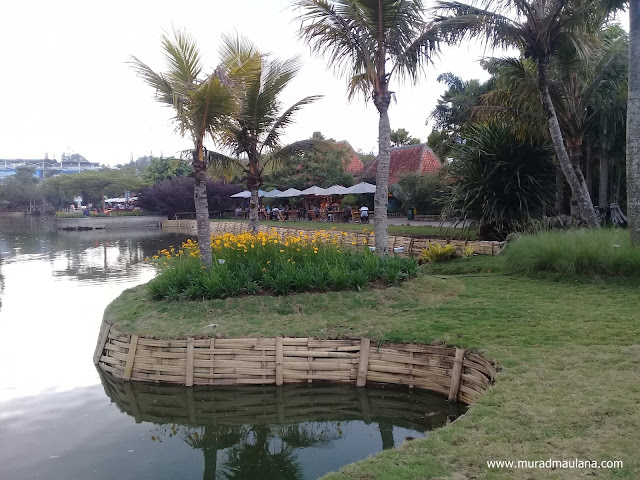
x=408, y=159
x=354, y=165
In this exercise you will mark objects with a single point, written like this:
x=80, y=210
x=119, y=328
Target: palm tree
x=586, y=94
x=633, y=125
x=202, y=106
x=259, y=123
x=367, y=41
x=538, y=28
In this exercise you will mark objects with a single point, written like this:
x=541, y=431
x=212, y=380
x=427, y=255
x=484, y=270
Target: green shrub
x=245, y=264
x=500, y=179
x=589, y=252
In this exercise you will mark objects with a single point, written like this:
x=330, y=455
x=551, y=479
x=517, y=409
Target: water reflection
x=290, y=432
x=54, y=287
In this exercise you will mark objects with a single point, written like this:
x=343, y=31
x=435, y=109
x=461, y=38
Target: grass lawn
x=568, y=349
x=468, y=233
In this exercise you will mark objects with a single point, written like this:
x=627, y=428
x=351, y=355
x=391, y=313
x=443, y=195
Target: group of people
x=332, y=210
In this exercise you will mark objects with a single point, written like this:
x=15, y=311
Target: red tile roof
x=354, y=165
x=409, y=159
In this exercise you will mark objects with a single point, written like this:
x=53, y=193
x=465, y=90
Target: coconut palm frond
x=338, y=31
x=272, y=139
x=158, y=81
x=457, y=21
x=183, y=58
x=294, y=149
x=210, y=106
x=420, y=51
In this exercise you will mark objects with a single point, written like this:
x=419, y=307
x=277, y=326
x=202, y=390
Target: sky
x=67, y=87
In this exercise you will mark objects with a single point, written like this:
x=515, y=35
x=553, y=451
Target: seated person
x=346, y=214
x=364, y=214
x=238, y=212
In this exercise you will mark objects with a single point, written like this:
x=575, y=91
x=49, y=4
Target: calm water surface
x=61, y=419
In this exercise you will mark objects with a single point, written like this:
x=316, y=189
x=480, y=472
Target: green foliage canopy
x=91, y=185
x=160, y=169
x=19, y=190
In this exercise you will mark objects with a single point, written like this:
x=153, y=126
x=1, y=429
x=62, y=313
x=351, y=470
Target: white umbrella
x=337, y=190
x=291, y=192
x=273, y=193
x=362, y=187
x=243, y=194
x=247, y=194
x=314, y=191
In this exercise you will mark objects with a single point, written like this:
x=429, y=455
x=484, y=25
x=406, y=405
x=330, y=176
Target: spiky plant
x=499, y=179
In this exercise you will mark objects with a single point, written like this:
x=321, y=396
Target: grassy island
x=568, y=348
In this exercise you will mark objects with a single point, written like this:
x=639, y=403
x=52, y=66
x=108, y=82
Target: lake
x=60, y=418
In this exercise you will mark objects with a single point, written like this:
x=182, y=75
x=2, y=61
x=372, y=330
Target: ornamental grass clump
x=436, y=252
x=246, y=264
x=584, y=252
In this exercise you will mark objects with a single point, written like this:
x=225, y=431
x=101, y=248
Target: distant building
x=46, y=166
x=407, y=159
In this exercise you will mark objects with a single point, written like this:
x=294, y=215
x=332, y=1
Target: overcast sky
x=66, y=86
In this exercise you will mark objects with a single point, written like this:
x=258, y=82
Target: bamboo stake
x=102, y=339
x=132, y=353
x=190, y=350
x=456, y=374
x=279, y=362
x=363, y=366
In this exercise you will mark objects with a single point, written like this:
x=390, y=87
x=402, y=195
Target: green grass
x=588, y=252
x=568, y=348
x=469, y=233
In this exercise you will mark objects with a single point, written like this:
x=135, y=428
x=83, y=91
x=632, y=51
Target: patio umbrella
x=273, y=193
x=362, y=187
x=337, y=190
x=290, y=192
x=314, y=191
x=247, y=194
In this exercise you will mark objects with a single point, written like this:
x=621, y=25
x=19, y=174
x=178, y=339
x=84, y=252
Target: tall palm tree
x=538, y=28
x=367, y=41
x=202, y=104
x=254, y=134
x=633, y=124
x=585, y=93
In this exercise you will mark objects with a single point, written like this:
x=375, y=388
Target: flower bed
x=249, y=264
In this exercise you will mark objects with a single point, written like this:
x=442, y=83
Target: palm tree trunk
x=575, y=154
x=603, y=190
x=588, y=165
x=633, y=125
x=559, y=190
x=254, y=182
x=580, y=194
x=202, y=205
x=254, y=205
x=381, y=198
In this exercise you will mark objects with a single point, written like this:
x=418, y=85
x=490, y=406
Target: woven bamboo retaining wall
x=410, y=246
x=268, y=405
x=460, y=375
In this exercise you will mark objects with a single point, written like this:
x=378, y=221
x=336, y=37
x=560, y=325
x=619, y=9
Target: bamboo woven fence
x=454, y=372
x=268, y=405
x=405, y=246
